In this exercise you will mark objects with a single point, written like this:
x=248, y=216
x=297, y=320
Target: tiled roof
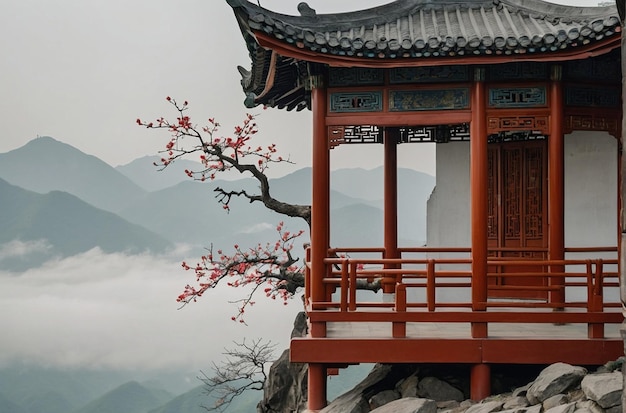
x=432, y=29
x=416, y=28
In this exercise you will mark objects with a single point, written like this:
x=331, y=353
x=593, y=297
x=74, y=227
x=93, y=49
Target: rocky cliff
x=400, y=388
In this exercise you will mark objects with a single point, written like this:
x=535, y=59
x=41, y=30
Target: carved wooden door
x=517, y=224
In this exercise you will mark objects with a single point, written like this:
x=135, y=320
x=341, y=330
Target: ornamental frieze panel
x=343, y=76
x=518, y=97
x=430, y=99
x=518, y=71
x=605, y=68
x=346, y=102
x=599, y=97
x=434, y=74
x=592, y=123
x=497, y=124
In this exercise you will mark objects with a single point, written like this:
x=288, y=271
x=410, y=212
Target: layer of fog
x=115, y=311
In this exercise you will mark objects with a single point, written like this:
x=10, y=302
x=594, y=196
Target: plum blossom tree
x=270, y=268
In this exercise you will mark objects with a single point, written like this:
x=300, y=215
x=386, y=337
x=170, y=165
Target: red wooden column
x=480, y=376
x=320, y=206
x=556, y=184
x=478, y=198
x=391, y=203
x=320, y=231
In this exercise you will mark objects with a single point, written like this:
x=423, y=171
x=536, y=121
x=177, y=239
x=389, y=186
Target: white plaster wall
x=590, y=193
x=590, y=197
x=590, y=189
x=448, y=220
x=448, y=209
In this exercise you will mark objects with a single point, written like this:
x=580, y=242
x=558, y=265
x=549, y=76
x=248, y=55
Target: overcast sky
x=82, y=71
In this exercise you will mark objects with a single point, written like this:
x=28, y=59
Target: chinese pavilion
x=523, y=101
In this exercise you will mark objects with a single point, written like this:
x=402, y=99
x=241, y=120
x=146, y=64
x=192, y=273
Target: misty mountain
x=130, y=397
x=145, y=174
x=188, y=211
x=195, y=400
x=7, y=406
x=45, y=164
x=64, y=225
x=48, y=402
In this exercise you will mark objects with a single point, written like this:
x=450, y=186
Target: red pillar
x=556, y=184
x=320, y=232
x=320, y=207
x=478, y=199
x=391, y=203
x=316, y=390
x=480, y=382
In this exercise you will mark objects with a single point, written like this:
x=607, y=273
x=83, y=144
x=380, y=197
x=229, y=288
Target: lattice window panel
x=437, y=134
x=509, y=136
x=355, y=134
x=374, y=134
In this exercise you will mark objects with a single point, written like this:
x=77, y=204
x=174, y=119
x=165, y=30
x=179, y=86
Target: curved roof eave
x=582, y=52
x=417, y=33
x=429, y=28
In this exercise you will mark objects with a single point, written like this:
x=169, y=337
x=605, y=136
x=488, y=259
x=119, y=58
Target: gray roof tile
x=427, y=28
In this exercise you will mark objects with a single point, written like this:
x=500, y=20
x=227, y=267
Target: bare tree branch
x=244, y=369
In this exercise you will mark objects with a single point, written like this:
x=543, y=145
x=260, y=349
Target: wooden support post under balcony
x=316, y=387
x=478, y=188
x=480, y=381
x=556, y=192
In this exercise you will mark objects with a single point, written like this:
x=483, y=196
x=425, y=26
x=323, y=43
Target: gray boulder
x=438, y=390
x=515, y=402
x=563, y=408
x=486, y=407
x=382, y=377
x=554, y=379
x=588, y=406
x=408, y=387
x=554, y=401
x=605, y=389
x=534, y=409
x=408, y=405
x=382, y=398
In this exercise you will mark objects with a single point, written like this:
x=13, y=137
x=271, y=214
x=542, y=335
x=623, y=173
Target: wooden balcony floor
x=355, y=330
x=452, y=342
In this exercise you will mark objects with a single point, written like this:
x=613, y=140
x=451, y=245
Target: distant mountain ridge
x=142, y=172
x=130, y=397
x=68, y=226
x=45, y=164
x=187, y=211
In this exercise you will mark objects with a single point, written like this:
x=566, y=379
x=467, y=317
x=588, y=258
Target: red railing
x=435, y=284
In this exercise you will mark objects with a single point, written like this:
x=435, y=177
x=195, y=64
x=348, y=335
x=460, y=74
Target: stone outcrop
x=286, y=387
x=559, y=388
x=407, y=388
x=553, y=380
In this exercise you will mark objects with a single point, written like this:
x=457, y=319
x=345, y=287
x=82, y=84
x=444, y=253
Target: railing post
x=430, y=285
x=307, y=277
x=399, y=327
x=343, y=305
x=352, y=298
x=596, y=330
